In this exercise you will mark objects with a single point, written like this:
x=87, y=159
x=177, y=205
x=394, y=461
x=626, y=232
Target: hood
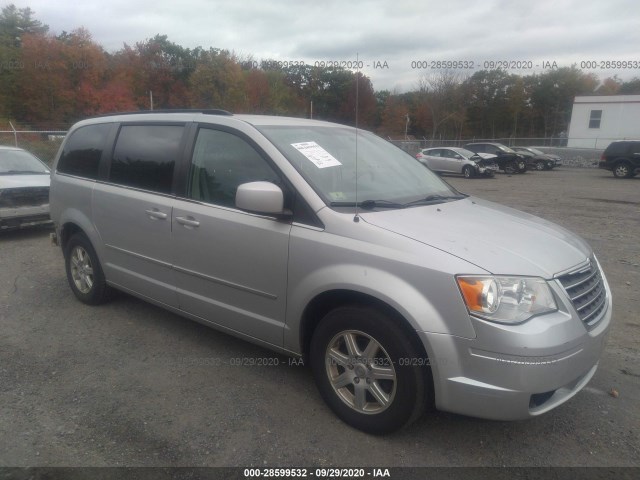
x=495, y=238
x=21, y=181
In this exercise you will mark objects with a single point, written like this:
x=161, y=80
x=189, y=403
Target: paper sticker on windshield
x=337, y=196
x=318, y=155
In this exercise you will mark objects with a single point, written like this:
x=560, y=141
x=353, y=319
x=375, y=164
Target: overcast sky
x=397, y=32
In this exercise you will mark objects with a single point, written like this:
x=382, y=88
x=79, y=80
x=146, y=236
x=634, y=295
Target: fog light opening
x=538, y=399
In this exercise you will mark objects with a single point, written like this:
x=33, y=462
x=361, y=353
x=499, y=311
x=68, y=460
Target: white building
x=598, y=120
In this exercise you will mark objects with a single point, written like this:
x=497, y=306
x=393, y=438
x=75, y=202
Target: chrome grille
x=586, y=291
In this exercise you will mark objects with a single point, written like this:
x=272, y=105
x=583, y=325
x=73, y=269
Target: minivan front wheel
x=84, y=273
x=368, y=370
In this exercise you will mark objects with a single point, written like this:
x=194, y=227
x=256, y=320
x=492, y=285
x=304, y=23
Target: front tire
x=368, y=370
x=84, y=272
x=467, y=171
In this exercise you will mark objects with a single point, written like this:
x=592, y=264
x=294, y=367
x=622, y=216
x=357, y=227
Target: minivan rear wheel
x=84, y=272
x=368, y=370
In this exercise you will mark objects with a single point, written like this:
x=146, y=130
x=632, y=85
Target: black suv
x=507, y=160
x=622, y=158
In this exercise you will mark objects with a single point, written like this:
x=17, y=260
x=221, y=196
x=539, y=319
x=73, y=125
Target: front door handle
x=188, y=222
x=156, y=214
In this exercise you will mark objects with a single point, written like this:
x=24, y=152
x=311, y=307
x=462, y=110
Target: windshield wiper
x=435, y=198
x=369, y=204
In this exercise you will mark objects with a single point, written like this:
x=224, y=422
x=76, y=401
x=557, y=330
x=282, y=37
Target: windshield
x=325, y=157
x=506, y=149
x=536, y=151
x=18, y=162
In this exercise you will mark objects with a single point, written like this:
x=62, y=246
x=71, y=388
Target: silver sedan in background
x=458, y=160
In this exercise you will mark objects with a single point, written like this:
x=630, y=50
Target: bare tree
x=440, y=93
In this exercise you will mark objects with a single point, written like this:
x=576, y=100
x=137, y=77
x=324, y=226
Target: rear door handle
x=188, y=222
x=156, y=214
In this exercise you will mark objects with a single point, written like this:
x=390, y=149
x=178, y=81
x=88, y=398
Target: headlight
x=506, y=299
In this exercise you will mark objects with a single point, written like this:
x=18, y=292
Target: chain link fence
x=42, y=143
x=45, y=143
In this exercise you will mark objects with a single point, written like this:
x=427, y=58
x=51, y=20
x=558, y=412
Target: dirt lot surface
x=128, y=384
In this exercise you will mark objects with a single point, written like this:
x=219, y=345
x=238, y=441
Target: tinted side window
x=634, y=147
x=617, y=148
x=82, y=151
x=145, y=156
x=222, y=161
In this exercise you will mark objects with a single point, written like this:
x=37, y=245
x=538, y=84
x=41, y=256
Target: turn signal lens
x=480, y=294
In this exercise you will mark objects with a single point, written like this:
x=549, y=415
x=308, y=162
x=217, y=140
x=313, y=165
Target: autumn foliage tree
x=217, y=82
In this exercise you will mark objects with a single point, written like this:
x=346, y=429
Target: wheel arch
x=75, y=221
x=329, y=300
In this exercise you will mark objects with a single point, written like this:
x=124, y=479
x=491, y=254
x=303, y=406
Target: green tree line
x=49, y=81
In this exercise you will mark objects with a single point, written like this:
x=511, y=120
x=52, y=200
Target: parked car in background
x=24, y=189
x=538, y=159
x=508, y=160
x=458, y=160
x=622, y=158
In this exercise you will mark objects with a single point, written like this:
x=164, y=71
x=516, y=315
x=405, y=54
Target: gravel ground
x=129, y=384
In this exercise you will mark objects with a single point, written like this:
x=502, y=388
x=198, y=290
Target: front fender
x=400, y=294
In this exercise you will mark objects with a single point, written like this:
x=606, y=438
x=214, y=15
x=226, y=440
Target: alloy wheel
x=360, y=372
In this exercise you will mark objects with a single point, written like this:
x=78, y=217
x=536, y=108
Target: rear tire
x=510, y=168
x=84, y=272
x=368, y=369
x=622, y=170
x=540, y=166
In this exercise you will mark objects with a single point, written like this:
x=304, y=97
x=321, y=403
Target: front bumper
x=487, y=171
x=18, y=217
x=511, y=372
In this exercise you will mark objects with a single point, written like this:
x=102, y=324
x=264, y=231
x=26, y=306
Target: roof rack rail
x=210, y=111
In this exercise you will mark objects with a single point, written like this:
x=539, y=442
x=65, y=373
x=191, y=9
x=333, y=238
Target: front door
x=230, y=265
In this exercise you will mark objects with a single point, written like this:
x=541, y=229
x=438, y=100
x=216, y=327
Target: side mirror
x=260, y=197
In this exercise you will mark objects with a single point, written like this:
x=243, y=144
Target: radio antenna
x=356, y=218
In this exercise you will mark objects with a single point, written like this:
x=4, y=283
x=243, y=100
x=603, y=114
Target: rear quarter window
x=620, y=148
x=82, y=151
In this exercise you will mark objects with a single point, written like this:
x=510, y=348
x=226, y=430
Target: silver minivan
x=328, y=243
